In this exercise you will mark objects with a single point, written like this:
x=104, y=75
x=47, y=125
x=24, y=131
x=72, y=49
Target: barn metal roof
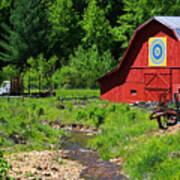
x=171, y=22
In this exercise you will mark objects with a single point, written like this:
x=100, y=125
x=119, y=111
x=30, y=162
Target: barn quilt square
x=158, y=51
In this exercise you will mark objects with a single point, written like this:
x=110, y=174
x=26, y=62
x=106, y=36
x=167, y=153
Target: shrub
x=84, y=68
x=98, y=117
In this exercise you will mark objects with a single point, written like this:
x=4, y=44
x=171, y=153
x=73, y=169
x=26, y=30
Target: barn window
x=179, y=90
x=133, y=91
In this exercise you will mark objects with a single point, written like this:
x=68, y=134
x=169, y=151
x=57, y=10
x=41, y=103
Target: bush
x=66, y=77
x=84, y=68
x=91, y=115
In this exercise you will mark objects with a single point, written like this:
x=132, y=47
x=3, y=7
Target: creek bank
x=73, y=162
x=95, y=168
x=78, y=127
x=76, y=148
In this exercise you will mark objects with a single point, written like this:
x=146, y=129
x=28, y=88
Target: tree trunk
x=29, y=84
x=39, y=84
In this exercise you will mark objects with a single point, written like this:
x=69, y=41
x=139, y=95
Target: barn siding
x=130, y=97
x=175, y=81
x=114, y=95
x=154, y=29
x=134, y=69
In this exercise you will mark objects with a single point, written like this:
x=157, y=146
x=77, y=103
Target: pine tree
x=26, y=35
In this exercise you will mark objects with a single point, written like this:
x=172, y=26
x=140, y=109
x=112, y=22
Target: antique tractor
x=164, y=115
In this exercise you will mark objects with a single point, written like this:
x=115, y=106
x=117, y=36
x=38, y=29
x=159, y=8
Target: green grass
x=77, y=92
x=121, y=125
x=154, y=157
x=21, y=124
x=71, y=92
x=125, y=131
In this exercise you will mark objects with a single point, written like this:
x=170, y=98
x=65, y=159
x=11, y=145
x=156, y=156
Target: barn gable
x=133, y=72
x=170, y=22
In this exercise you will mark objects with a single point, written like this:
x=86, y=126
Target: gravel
x=45, y=165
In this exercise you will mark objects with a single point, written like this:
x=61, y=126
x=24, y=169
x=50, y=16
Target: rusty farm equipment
x=166, y=116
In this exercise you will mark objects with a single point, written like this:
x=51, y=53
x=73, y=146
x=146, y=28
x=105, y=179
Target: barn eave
x=171, y=22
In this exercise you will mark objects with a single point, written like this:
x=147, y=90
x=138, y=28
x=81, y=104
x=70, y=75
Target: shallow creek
x=96, y=169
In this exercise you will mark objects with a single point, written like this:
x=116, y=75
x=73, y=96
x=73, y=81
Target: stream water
x=96, y=169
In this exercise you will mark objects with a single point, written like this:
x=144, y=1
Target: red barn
x=150, y=66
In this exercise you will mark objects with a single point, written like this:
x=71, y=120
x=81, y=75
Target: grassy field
x=22, y=123
x=125, y=131
x=78, y=92
x=147, y=152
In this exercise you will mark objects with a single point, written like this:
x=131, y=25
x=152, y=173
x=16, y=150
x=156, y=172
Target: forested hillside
x=72, y=41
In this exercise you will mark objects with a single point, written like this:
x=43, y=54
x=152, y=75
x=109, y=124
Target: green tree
x=85, y=67
x=41, y=71
x=136, y=12
x=9, y=71
x=5, y=8
x=27, y=34
x=66, y=31
x=6, y=3
x=79, y=6
x=112, y=8
x=96, y=28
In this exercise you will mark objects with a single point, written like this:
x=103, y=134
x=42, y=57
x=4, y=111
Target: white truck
x=5, y=87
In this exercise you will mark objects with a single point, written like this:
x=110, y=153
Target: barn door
x=157, y=84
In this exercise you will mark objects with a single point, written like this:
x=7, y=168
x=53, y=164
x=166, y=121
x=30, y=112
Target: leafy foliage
x=65, y=32
x=96, y=28
x=93, y=115
x=9, y=71
x=84, y=68
x=152, y=158
x=73, y=30
x=40, y=71
x=137, y=12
